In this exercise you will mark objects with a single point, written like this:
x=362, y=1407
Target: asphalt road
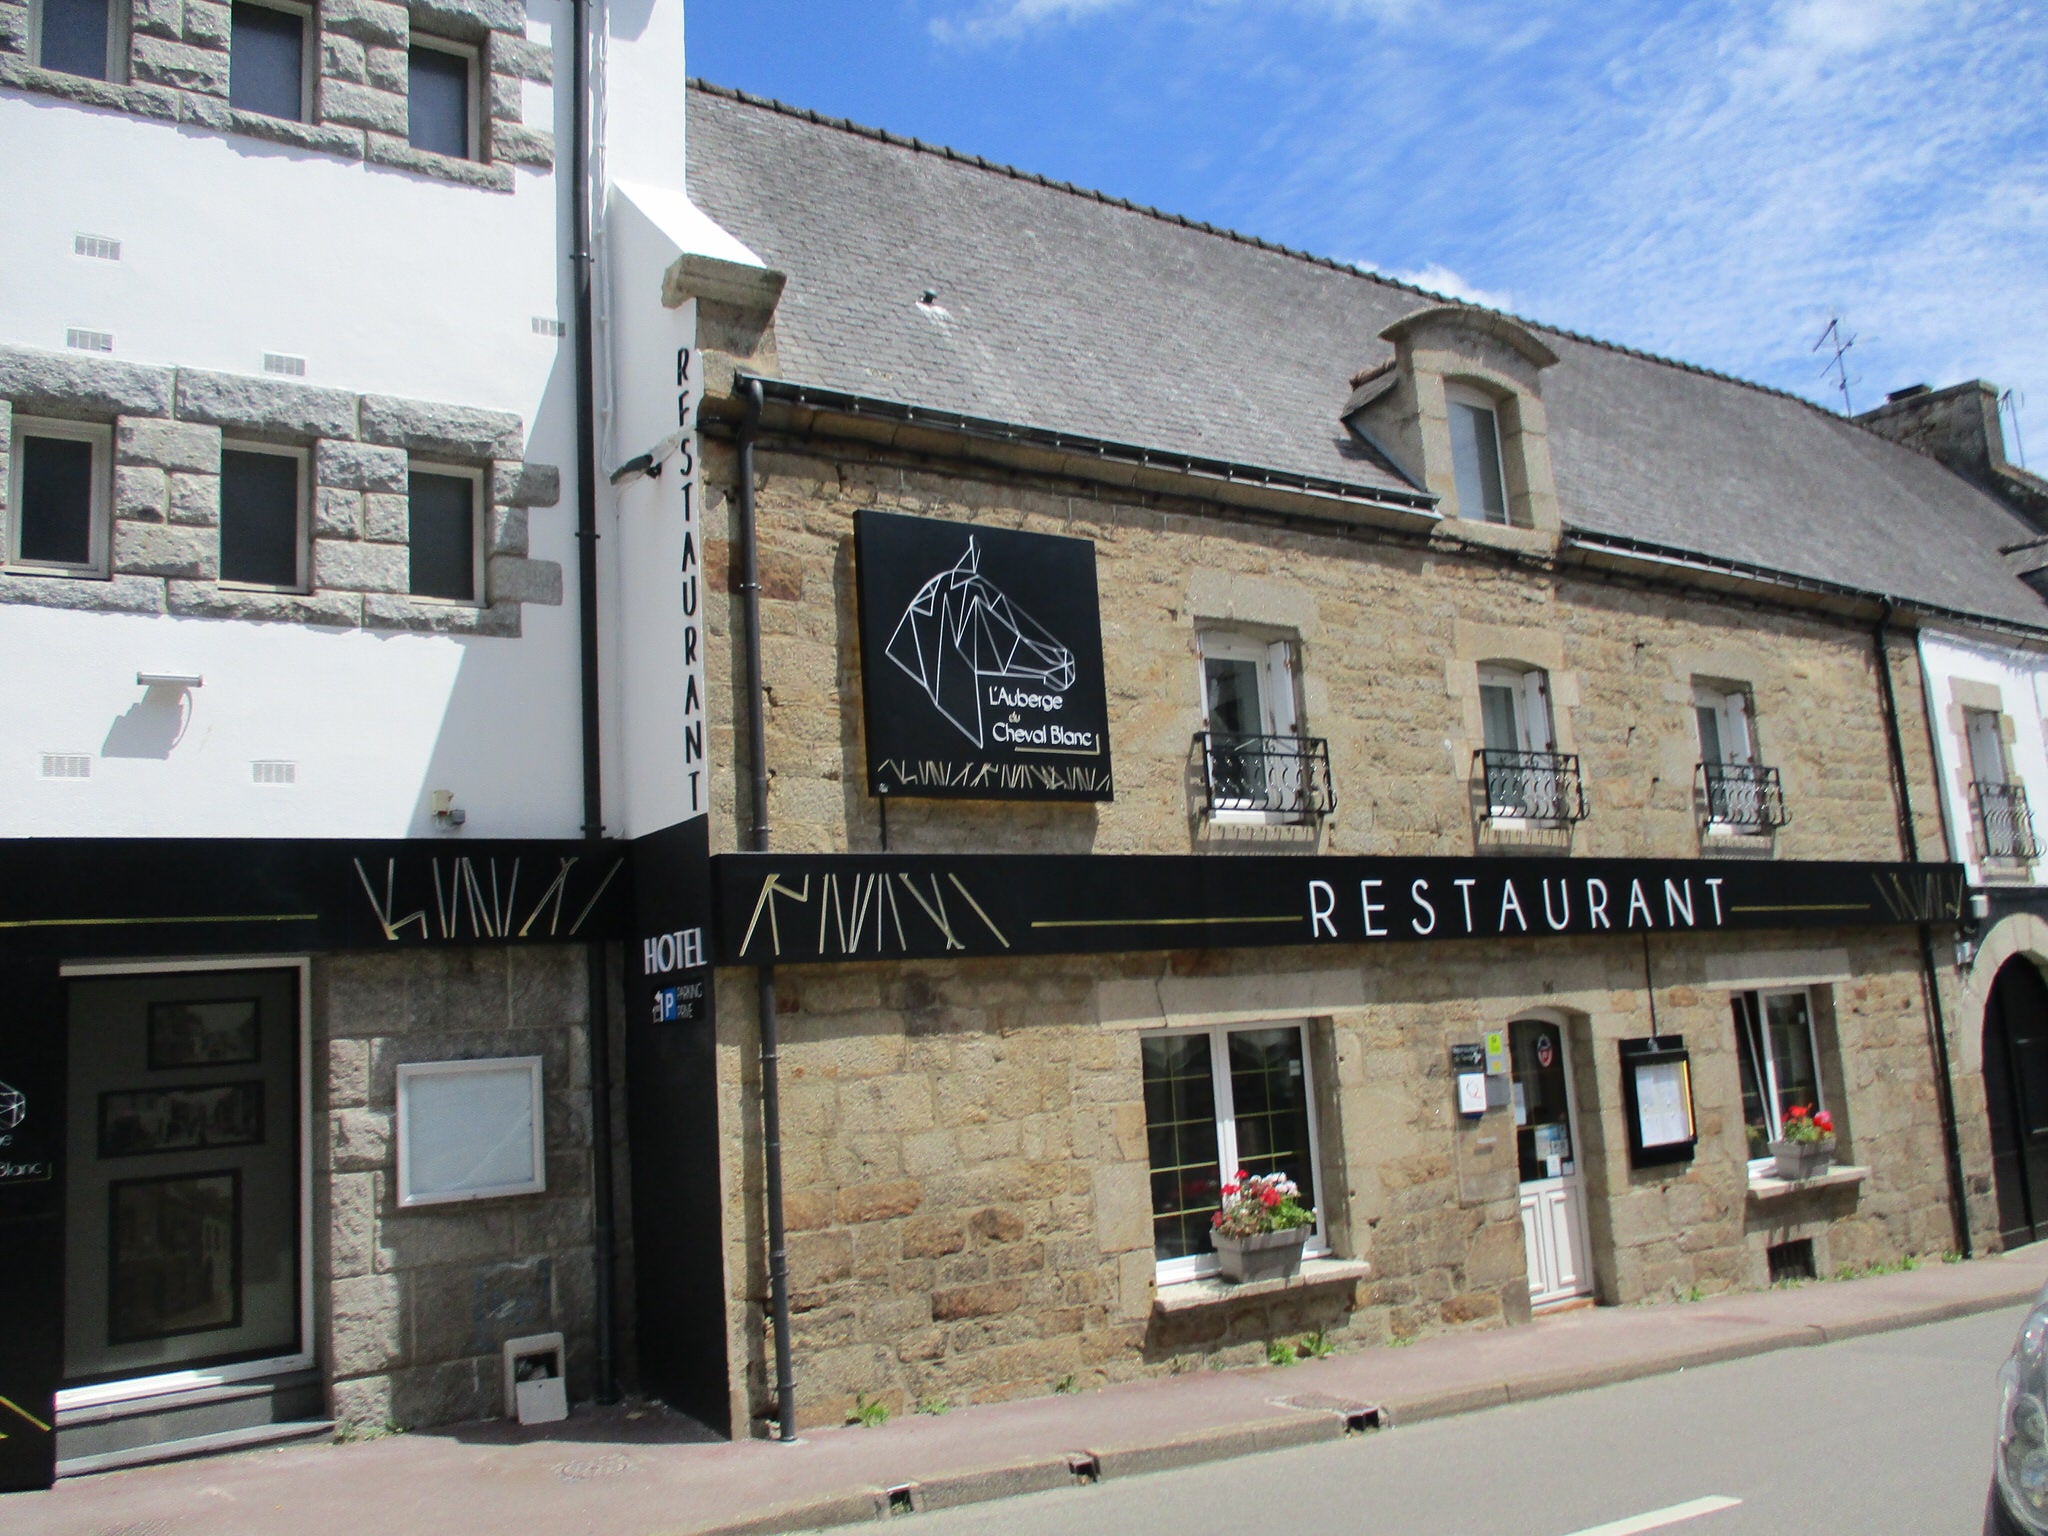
x=1888, y=1435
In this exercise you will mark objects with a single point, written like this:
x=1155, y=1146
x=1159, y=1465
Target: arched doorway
x=2016, y=1098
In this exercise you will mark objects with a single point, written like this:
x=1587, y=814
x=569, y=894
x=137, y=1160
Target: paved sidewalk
x=624, y=1472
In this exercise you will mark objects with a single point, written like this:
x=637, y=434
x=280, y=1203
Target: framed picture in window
x=174, y=1255
x=138, y=1121
x=205, y=1032
x=470, y=1130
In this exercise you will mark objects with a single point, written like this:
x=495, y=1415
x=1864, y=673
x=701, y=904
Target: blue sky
x=1706, y=179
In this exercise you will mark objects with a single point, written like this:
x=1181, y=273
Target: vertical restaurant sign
x=981, y=662
x=673, y=865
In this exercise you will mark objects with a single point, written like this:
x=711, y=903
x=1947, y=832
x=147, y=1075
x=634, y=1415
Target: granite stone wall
x=969, y=1191
x=176, y=71
x=412, y=1307
x=168, y=425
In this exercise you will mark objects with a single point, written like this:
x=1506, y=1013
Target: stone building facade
x=966, y=1143
x=972, y=1149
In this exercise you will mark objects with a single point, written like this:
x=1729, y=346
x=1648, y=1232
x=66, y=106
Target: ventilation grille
x=89, y=341
x=543, y=326
x=274, y=772
x=1791, y=1261
x=67, y=765
x=98, y=246
x=284, y=362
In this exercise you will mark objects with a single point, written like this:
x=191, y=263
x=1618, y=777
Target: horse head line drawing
x=961, y=628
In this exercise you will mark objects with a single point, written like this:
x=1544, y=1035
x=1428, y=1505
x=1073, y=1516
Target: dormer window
x=1475, y=455
x=1459, y=411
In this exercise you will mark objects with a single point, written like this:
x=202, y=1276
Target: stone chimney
x=1959, y=427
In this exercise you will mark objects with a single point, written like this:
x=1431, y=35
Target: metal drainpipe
x=1944, y=1085
x=597, y=1008
x=771, y=1035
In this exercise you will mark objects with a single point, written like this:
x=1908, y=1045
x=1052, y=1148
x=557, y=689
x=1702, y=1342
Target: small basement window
x=59, y=496
x=446, y=555
x=441, y=98
x=263, y=517
x=267, y=61
x=1791, y=1261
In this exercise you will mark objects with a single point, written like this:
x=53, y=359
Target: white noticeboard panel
x=1471, y=1093
x=1664, y=1103
x=470, y=1130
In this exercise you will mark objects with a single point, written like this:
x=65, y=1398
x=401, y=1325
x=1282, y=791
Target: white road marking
x=1657, y=1519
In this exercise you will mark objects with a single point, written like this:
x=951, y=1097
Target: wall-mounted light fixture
x=169, y=680
x=446, y=811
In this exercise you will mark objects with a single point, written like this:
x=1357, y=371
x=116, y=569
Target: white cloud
x=1712, y=187
x=1438, y=278
x=1013, y=18
x=1003, y=20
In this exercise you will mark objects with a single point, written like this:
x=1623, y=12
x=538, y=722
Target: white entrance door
x=1553, y=1203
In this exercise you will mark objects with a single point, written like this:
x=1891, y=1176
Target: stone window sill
x=1764, y=1186
x=1209, y=1291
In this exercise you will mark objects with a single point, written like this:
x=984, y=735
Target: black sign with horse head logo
x=981, y=662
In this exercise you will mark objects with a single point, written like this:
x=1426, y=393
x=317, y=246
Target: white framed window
x=1475, y=455
x=470, y=1130
x=1251, y=712
x=1725, y=720
x=263, y=516
x=1779, y=1063
x=269, y=65
x=1523, y=779
x=1724, y=716
x=1216, y=1100
x=444, y=531
x=441, y=98
x=1985, y=729
x=81, y=37
x=59, y=507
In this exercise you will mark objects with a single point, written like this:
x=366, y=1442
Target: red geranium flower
x=1796, y=1112
x=1268, y=1198
x=1825, y=1121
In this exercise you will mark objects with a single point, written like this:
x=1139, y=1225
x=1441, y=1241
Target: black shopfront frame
x=69, y=900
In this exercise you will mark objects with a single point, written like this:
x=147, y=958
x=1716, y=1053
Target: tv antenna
x=2010, y=403
x=1837, y=362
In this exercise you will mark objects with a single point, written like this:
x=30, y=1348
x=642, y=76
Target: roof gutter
x=1863, y=599
x=1107, y=450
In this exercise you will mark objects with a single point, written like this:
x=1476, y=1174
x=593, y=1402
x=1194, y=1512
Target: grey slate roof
x=1063, y=310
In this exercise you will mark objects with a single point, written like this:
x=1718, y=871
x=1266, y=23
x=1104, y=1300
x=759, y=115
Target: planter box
x=1803, y=1160
x=1263, y=1256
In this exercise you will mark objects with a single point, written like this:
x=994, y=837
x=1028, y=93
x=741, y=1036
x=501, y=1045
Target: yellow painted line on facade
x=151, y=922
x=1158, y=922
x=1823, y=906
x=10, y=1403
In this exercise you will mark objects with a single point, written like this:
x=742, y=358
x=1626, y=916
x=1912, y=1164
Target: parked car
x=2018, y=1505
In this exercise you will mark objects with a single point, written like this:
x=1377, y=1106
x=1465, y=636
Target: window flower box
x=1260, y=1256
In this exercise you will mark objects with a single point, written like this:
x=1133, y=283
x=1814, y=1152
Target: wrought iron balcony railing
x=1280, y=775
x=2005, y=821
x=1539, y=786
x=1746, y=795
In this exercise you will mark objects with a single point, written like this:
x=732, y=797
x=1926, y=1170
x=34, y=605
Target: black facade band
x=90, y=898
x=796, y=909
